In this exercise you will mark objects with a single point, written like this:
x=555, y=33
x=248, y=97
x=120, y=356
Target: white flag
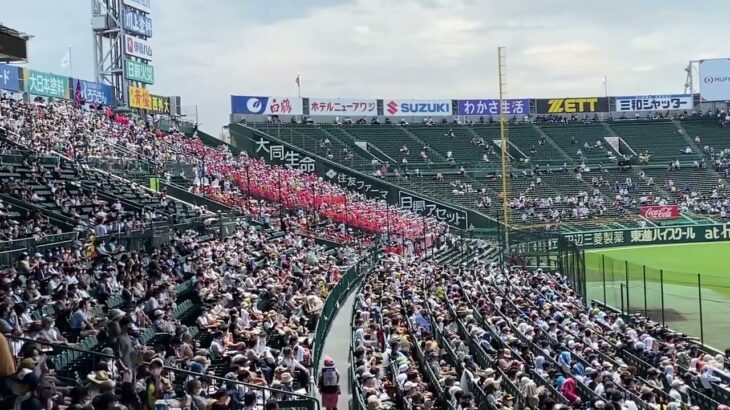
x=66, y=60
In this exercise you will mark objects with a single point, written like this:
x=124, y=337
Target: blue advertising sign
x=258, y=105
x=137, y=22
x=93, y=93
x=491, y=107
x=9, y=78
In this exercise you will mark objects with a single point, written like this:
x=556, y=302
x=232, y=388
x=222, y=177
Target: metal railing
x=349, y=281
x=689, y=302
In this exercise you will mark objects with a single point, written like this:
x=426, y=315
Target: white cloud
x=561, y=49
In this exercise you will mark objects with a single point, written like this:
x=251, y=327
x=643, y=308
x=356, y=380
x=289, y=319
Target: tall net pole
x=504, y=138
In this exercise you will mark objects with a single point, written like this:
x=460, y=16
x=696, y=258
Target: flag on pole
x=297, y=81
x=78, y=95
x=66, y=60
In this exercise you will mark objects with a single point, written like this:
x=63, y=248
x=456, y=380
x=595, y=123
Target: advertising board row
x=714, y=86
x=649, y=236
x=279, y=153
x=142, y=99
x=266, y=105
x=38, y=83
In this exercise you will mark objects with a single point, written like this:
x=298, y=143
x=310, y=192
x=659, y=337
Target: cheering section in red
x=293, y=189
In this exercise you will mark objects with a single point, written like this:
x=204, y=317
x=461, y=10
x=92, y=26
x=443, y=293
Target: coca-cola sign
x=659, y=212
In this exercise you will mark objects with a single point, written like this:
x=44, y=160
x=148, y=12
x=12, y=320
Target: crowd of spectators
x=479, y=336
x=259, y=296
x=241, y=307
x=85, y=132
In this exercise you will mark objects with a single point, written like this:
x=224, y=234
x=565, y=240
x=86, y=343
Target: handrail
x=349, y=281
x=32, y=243
x=627, y=318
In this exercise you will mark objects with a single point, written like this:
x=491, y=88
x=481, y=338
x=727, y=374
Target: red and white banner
x=342, y=106
x=659, y=212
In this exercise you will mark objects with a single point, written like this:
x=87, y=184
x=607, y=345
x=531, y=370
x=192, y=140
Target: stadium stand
x=481, y=337
x=140, y=281
x=115, y=294
x=556, y=152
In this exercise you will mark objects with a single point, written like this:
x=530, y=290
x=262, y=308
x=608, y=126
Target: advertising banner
x=659, y=212
x=92, y=93
x=137, y=22
x=136, y=47
x=491, y=107
x=144, y=73
x=45, y=84
x=257, y=105
x=654, y=102
x=260, y=145
x=648, y=236
x=454, y=217
x=417, y=108
x=715, y=79
x=342, y=106
x=281, y=154
x=140, y=98
x=159, y=104
x=357, y=182
x=141, y=5
x=9, y=78
x=572, y=105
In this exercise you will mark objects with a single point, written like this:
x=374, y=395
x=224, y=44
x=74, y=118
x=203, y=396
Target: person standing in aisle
x=329, y=384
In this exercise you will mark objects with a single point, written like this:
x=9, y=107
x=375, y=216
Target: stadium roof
x=13, y=32
x=13, y=47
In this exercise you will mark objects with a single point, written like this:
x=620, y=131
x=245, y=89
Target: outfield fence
x=689, y=303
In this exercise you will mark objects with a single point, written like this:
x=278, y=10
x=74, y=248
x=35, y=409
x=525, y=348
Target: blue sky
x=207, y=50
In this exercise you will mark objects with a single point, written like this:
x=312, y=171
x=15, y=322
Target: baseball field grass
x=686, y=286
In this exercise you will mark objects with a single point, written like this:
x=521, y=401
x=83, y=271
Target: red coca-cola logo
x=660, y=212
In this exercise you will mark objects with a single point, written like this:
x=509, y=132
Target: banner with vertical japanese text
x=140, y=98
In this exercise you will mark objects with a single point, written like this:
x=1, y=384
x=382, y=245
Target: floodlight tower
x=108, y=30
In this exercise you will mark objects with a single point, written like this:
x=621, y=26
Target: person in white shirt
x=298, y=351
x=217, y=346
x=49, y=333
x=707, y=378
x=288, y=362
